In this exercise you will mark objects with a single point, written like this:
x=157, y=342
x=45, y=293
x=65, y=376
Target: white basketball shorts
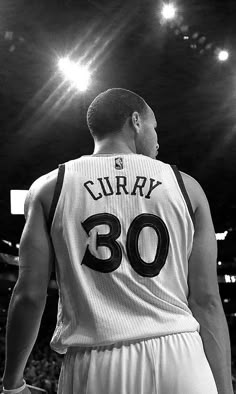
x=171, y=364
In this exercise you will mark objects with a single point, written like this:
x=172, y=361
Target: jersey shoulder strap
x=56, y=195
x=183, y=190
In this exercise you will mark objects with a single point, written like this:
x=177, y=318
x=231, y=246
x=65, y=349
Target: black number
x=142, y=268
x=110, y=241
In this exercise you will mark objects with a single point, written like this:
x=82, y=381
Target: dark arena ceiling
x=172, y=65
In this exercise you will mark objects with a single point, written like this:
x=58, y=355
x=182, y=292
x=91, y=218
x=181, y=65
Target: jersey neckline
x=112, y=154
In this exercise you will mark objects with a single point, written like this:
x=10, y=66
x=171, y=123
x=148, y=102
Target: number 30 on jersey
x=110, y=241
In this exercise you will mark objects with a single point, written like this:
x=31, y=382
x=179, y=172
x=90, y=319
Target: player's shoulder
x=194, y=190
x=44, y=183
x=191, y=182
x=41, y=191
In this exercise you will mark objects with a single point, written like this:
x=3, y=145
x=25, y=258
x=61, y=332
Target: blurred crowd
x=44, y=365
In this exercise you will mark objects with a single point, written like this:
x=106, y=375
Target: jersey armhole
x=184, y=191
x=56, y=195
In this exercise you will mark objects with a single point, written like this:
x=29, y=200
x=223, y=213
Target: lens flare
x=77, y=74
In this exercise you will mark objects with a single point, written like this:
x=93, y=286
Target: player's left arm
x=27, y=304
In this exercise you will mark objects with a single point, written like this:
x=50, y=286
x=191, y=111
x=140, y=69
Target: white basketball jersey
x=122, y=232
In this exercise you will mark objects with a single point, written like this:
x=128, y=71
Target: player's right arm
x=204, y=297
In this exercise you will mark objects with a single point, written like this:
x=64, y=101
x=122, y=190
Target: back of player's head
x=109, y=111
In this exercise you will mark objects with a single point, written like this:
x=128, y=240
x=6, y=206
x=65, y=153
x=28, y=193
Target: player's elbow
x=30, y=293
x=206, y=301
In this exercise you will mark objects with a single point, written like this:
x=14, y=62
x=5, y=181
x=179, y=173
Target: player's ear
x=135, y=121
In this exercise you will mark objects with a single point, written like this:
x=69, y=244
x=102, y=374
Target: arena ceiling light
x=78, y=75
x=223, y=55
x=168, y=11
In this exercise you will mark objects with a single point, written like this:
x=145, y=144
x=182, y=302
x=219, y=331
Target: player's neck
x=113, y=146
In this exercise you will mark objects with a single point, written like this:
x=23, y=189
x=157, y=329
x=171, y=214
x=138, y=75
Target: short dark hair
x=109, y=111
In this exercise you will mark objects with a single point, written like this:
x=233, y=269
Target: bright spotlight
x=221, y=236
x=74, y=72
x=17, y=198
x=168, y=11
x=223, y=56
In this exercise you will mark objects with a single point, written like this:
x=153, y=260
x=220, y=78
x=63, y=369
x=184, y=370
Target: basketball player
x=135, y=253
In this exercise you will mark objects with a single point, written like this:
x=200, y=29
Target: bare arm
x=204, y=297
x=29, y=295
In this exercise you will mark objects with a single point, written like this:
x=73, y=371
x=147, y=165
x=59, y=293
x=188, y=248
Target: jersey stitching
x=190, y=210
x=56, y=195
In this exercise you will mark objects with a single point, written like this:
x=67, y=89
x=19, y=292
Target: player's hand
x=26, y=390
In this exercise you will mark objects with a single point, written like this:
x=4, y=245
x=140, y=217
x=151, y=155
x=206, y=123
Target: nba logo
x=119, y=163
